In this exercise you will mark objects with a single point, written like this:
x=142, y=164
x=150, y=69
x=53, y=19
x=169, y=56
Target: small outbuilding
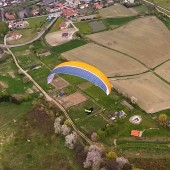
x=136, y=133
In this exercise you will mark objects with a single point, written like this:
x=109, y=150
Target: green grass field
x=55, y=27
x=25, y=145
x=67, y=46
x=84, y=27
x=118, y=21
x=13, y=83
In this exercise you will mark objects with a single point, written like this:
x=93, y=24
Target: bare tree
x=121, y=161
x=65, y=130
x=94, y=137
x=57, y=125
x=70, y=140
x=94, y=158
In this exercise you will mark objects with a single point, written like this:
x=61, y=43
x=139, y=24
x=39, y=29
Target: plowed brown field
x=110, y=62
x=152, y=93
x=147, y=39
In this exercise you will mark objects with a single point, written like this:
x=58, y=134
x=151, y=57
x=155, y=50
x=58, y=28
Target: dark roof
x=24, y=13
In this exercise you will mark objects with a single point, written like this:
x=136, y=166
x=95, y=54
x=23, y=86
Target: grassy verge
x=55, y=27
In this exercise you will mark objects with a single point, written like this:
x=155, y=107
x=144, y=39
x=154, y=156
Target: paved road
x=36, y=38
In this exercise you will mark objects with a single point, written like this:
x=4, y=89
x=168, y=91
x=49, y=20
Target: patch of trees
x=110, y=129
x=164, y=120
x=94, y=156
x=3, y=29
x=163, y=18
x=14, y=99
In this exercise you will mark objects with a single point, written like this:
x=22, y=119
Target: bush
x=111, y=155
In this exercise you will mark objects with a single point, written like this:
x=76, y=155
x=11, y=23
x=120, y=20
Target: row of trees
x=93, y=156
x=14, y=99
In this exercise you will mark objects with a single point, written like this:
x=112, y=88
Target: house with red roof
x=9, y=16
x=59, y=5
x=70, y=12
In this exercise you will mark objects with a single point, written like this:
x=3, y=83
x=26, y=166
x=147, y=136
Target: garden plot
x=110, y=62
x=116, y=10
x=60, y=37
x=147, y=39
x=72, y=100
x=152, y=93
x=59, y=83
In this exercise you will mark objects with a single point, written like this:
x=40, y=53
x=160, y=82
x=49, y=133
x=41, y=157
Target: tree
x=3, y=28
x=101, y=133
x=65, y=130
x=109, y=164
x=70, y=140
x=67, y=122
x=122, y=162
x=94, y=137
x=57, y=125
x=111, y=155
x=94, y=158
x=163, y=119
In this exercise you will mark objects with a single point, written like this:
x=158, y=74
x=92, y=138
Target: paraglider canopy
x=84, y=71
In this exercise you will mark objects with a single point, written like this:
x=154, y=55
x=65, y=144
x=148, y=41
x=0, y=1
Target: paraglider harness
x=88, y=111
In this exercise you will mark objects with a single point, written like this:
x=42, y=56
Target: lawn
x=55, y=27
x=87, y=123
x=73, y=79
x=100, y=97
x=84, y=27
